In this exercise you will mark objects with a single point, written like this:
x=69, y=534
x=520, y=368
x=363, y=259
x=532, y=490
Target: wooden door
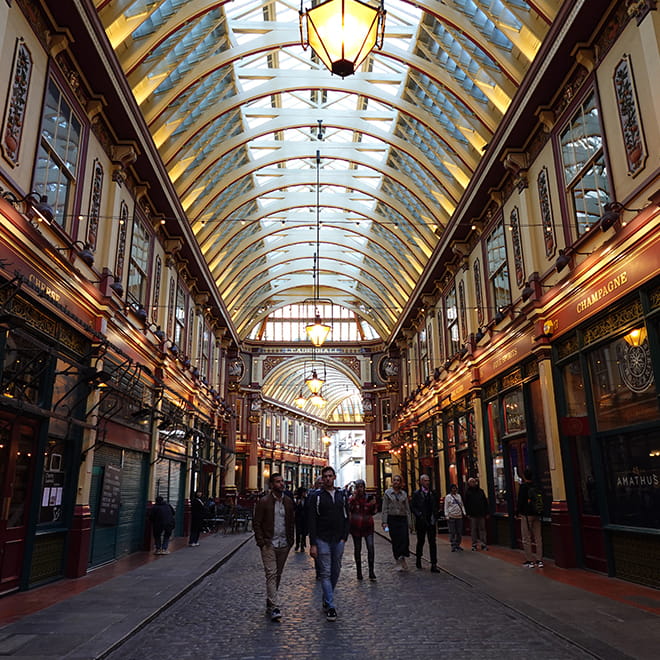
x=17, y=454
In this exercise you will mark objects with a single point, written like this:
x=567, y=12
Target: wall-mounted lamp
x=84, y=252
x=479, y=335
x=499, y=315
x=564, y=258
x=36, y=205
x=115, y=285
x=612, y=214
x=527, y=292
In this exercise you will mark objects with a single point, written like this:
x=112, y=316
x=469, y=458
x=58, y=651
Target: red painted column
x=563, y=543
x=80, y=536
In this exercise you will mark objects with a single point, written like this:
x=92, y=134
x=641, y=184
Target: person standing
x=530, y=520
x=197, y=512
x=454, y=512
x=162, y=525
x=397, y=518
x=361, y=526
x=476, y=505
x=301, y=522
x=424, y=506
x=273, y=524
x=328, y=531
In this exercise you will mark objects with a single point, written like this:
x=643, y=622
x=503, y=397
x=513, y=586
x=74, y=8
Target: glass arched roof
x=233, y=103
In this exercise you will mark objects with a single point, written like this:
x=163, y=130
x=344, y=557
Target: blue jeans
x=330, y=555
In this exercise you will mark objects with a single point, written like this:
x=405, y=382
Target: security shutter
x=112, y=541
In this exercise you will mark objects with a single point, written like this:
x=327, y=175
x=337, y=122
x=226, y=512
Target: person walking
x=301, y=522
x=476, y=506
x=529, y=510
x=197, y=512
x=361, y=526
x=273, y=524
x=424, y=507
x=162, y=525
x=397, y=519
x=328, y=531
x=311, y=494
x=454, y=512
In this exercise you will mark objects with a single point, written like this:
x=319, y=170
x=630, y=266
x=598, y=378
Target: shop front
x=608, y=369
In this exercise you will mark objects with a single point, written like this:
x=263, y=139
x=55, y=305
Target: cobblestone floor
x=415, y=614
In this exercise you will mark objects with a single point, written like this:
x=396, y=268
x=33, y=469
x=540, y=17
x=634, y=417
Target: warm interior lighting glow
x=314, y=383
x=342, y=33
x=317, y=400
x=636, y=337
x=300, y=400
x=317, y=332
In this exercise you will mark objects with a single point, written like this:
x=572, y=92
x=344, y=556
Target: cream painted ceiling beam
x=426, y=235
x=287, y=83
x=284, y=120
x=302, y=267
x=188, y=179
x=286, y=177
x=286, y=237
x=256, y=268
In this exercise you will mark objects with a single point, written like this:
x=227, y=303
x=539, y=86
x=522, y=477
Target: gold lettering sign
x=45, y=289
x=507, y=357
x=603, y=291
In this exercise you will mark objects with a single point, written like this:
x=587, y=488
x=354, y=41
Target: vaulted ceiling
x=239, y=111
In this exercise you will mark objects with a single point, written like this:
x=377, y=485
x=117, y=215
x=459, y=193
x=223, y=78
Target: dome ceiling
x=239, y=112
x=234, y=104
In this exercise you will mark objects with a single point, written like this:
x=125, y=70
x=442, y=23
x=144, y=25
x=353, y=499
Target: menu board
x=110, y=496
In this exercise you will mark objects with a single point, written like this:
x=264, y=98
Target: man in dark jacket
x=273, y=524
x=197, y=512
x=162, y=525
x=476, y=506
x=328, y=530
x=530, y=522
x=424, y=506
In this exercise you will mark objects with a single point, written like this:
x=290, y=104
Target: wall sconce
x=479, y=335
x=85, y=252
x=564, y=258
x=141, y=314
x=115, y=285
x=527, y=292
x=636, y=337
x=612, y=214
x=36, y=205
x=499, y=315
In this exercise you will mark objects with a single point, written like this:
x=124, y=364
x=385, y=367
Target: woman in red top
x=362, y=510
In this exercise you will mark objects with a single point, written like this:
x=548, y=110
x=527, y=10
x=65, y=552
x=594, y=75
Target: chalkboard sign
x=110, y=496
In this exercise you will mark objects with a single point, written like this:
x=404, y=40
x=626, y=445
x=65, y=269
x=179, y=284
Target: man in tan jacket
x=274, y=521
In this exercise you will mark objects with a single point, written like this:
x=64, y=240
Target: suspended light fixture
x=314, y=383
x=318, y=331
x=317, y=400
x=300, y=400
x=342, y=32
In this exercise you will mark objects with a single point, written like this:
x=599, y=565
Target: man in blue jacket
x=328, y=525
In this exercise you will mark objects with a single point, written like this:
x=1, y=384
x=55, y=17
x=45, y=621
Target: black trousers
x=424, y=531
x=399, y=534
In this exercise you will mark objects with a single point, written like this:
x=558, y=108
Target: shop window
x=633, y=479
x=497, y=456
x=453, y=333
x=386, y=414
x=622, y=382
x=180, y=316
x=585, y=170
x=498, y=268
x=56, y=170
x=576, y=399
x=138, y=264
x=514, y=412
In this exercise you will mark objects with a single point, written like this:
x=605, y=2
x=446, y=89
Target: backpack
x=534, y=500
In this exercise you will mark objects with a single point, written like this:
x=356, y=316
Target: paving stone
x=402, y=614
